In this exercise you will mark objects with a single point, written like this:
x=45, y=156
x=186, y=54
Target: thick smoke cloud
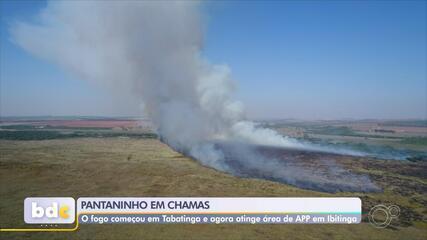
x=151, y=50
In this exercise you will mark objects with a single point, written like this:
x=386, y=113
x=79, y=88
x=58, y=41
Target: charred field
x=333, y=172
x=307, y=169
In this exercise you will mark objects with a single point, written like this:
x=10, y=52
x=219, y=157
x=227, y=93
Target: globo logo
x=49, y=210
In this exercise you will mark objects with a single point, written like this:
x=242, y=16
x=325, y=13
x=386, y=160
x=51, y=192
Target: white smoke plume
x=152, y=49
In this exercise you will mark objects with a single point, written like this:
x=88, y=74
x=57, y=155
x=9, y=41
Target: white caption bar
x=117, y=205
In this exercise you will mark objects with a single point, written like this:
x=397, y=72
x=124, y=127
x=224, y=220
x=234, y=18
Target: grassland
x=118, y=166
x=406, y=138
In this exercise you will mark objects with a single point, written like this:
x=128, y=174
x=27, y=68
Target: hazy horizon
x=253, y=119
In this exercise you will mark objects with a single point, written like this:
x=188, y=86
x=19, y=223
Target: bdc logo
x=49, y=210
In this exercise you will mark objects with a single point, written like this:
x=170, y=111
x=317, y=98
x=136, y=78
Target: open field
x=122, y=166
x=405, y=137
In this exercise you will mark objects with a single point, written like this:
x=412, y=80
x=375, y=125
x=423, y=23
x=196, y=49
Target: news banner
x=189, y=210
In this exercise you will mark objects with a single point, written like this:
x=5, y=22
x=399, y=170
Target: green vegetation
x=31, y=135
x=46, y=134
x=343, y=131
x=49, y=127
x=406, y=123
x=406, y=142
x=415, y=140
x=331, y=130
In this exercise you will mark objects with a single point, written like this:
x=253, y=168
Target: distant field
x=77, y=122
x=45, y=135
x=408, y=137
x=64, y=129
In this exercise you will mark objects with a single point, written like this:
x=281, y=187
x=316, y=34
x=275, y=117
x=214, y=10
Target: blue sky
x=290, y=59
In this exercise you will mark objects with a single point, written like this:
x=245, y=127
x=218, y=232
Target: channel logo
x=52, y=210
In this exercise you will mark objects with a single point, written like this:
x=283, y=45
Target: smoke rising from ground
x=152, y=50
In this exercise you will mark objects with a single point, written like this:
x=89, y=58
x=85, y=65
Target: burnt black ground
x=314, y=170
